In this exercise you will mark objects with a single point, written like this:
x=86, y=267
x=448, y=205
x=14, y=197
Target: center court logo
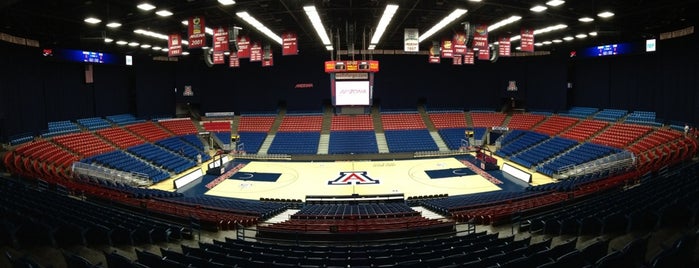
x=356, y=177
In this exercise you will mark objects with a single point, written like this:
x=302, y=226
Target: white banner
x=411, y=40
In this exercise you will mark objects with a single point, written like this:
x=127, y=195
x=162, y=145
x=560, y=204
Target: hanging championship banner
x=527, y=41
x=268, y=61
x=410, y=40
x=233, y=60
x=221, y=39
x=447, y=49
x=468, y=57
x=457, y=60
x=504, y=46
x=480, y=37
x=243, y=47
x=219, y=58
x=434, y=53
x=174, y=45
x=196, y=32
x=484, y=54
x=289, y=44
x=459, y=43
x=255, y=52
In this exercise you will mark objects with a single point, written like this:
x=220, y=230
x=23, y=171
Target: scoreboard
x=369, y=66
x=352, y=82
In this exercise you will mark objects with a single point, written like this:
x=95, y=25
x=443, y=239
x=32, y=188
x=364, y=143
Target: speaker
x=207, y=57
x=434, y=49
x=495, y=53
x=266, y=51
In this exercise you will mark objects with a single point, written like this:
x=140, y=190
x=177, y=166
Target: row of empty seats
x=180, y=126
x=620, y=135
x=584, y=130
x=162, y=158
x=583, y=153
x=84, y=144
x=123, y=119
x=59, y=128
x=448, y=120
x=402, y=121
x=415, y=140
x=543, y=151
x=149, y=131
x=525, y=121
x=217, y=126
x=94, y=123
x=301, y=123
x=487, y=120
x=251, y=141
x=120, y=137
x=352, y=123
x=580, y=112
x=255, y=123
x=611, y=115
x=554, y=125
x=295, y=143
x=120, y=160
x=349, y=142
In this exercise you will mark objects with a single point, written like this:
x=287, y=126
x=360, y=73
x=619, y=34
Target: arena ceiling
x=61, y=23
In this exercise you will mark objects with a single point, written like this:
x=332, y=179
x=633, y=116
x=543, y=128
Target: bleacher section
x=579, y=112
x=251, y=141
x=351, y=123
x=255, y=123
x=525, y=121
x=610, y=115
x=94, y=123
x=120, y=160
x=353, y=142
x=301, y=123
x=445, y=206
x=415, y=140
x=523, y=142
x=294, y=143
x=120, y=137
x=181, y=126
x=487, y=120
x=59, y=128
x=620, y=135
x=162, y=158
x=402, y=121
x=42, y=159
x=217, y=126
x=448, y=120
x=586, y=152
x=84, y=144
x=123, y=119
x=149, y=131
x=643, y=118
x=586, y=129
x=177, y=145
x=554, y=125
x=452, y=137
x=66, y=221
x=259, y=209
x=543, y=151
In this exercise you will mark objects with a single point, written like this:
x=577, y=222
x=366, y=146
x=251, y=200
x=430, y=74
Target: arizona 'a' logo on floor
x=356, y=177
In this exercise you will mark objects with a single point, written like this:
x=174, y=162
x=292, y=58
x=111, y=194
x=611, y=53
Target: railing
x=439, y=153
x=616, y=162
x=243, y=155
x=113, y=175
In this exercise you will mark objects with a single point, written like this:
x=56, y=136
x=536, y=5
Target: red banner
x=219, y=58
x=504, y=46
x=457, y=60
x=221, y=39
x=480, y=37
x=447, y=49
x=233, y=60
x=289, y=44
x=196, y=32
x=243, y=47
x=468, y=57
x=268, y=61
x=484, y=54
x=459, y=43
x=174, y=45
x=527, y=41
x=255, y=52
x=369, y=66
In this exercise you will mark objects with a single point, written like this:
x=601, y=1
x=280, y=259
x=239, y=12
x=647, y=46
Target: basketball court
x=296, y=180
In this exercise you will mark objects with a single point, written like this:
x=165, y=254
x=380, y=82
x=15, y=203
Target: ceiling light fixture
x=568, y=38
x=593, y=33
x=121, y=42
x=581, y=36
x=312, y=15
x=557, y=41
x=134, y=44
x=145, y=46
x=546, y=42
x=457, y=13
x=113, y=24
x=538, y=8
x=383, y=23
x=226, y=2
x=555, y=3
x=163, y=13
x=605, y=14
x=504, y=22
x=108, y=40
x=156, y=48
x=586, y=19
x=542, y=30
x=92, y=20
x=259, y=26
x=185, y=53
x=146, y=6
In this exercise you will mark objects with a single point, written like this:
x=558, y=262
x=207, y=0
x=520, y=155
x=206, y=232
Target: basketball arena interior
x=280, y=133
